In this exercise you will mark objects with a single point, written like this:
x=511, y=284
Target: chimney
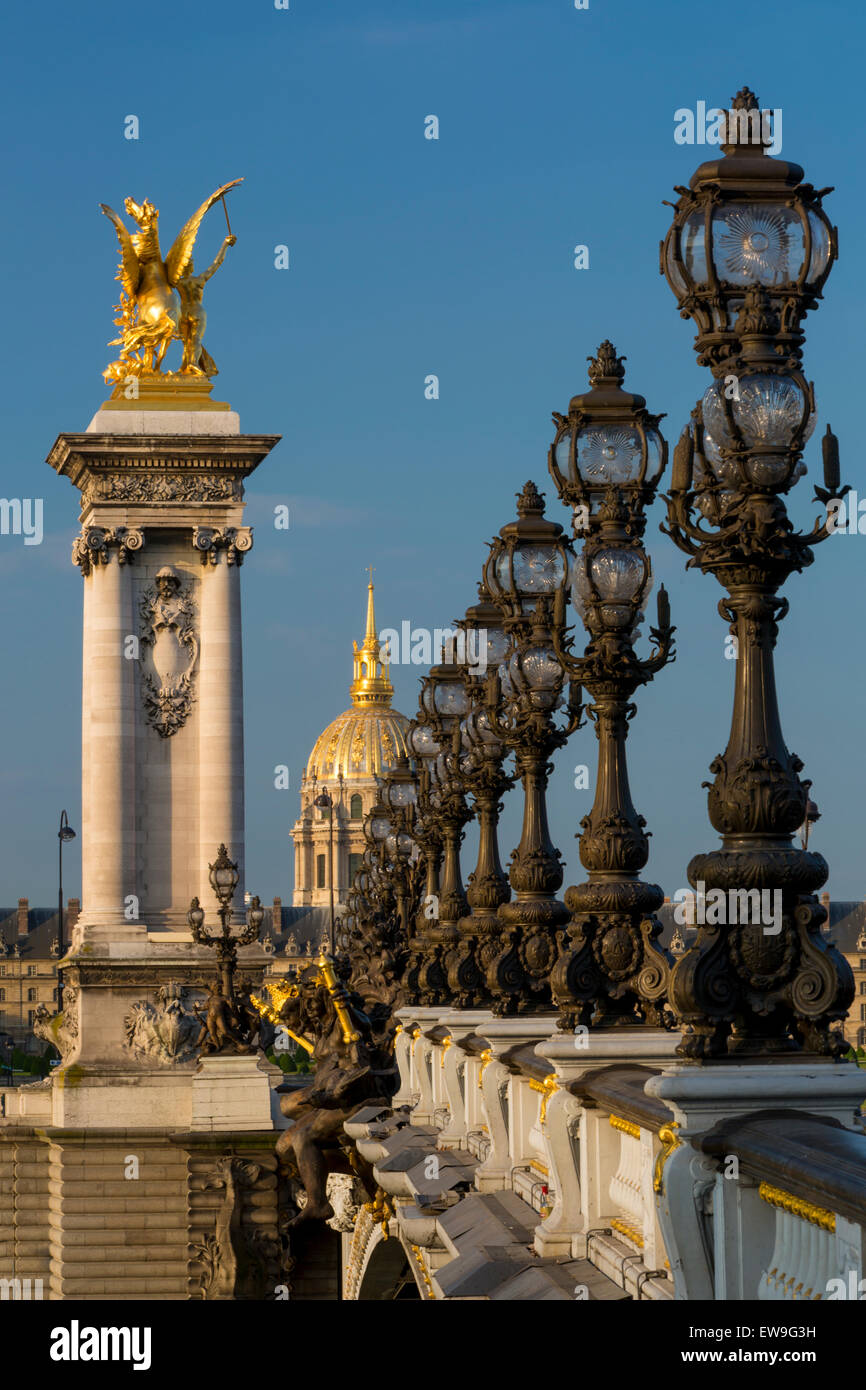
x=73, y=912
x=277, y=916
x=23, y=916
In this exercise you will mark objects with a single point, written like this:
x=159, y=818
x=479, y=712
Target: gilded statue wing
x=180, y=255
x=129, y=268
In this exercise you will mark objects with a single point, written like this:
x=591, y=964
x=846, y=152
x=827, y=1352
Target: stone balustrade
x=609, y=1160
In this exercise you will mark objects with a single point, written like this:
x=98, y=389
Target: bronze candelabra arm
x=662, y=635
x=504, y=729
x=200, y=935
x=685, y=534
x=829, y=493
x=576, y=667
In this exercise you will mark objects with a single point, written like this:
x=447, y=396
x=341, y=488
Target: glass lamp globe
x=537, y=669
x=615, y=578
x=608, y=455
x=769, y=414
x=380, y=828
x=401, y=794
x=422, y=742
x=450, y=698
x=529, y=559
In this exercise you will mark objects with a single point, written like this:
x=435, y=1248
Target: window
x=355, y=863
x=2, y=996
x=320, y=870
x=31, y=1014
x=31, y=996
x=862, y=965
x=3, y=969
x=356, y=808
x=861, y=1037
x=31, y=970
x=863, y=1013
x=863, y=986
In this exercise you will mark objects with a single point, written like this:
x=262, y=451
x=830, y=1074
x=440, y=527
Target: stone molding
x=162, y=487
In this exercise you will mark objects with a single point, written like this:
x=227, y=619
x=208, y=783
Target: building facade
x=358, y=747
x=29, y=951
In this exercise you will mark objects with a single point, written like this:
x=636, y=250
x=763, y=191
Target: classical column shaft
x=221, y=736
x=108, y=786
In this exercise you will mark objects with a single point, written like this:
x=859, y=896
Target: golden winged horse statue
x=160, y=299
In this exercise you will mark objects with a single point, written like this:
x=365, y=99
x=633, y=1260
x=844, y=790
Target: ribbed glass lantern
x=611, y=585
x=746, y=222
x=530, y=559
x=767, y=423
x=607, y=440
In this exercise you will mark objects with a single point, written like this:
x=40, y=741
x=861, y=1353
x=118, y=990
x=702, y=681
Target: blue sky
x=410, y=257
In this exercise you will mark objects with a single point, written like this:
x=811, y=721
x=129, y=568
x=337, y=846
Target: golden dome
x=366, y=740
x=360, y=743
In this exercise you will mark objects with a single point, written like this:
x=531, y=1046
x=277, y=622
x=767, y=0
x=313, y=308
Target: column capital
x=234, y=540
x=95, y=545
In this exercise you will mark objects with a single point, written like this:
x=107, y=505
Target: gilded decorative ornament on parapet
x=161, y=299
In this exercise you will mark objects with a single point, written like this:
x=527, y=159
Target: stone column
x=220, y=705
x=108, y=874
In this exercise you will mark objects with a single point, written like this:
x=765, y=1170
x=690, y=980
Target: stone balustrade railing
x=792, y=1187
x=605, y=1162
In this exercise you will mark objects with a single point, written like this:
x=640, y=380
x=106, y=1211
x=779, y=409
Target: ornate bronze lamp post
x=443, y=703
x=223, y=877
x=606, y=461
x=64, y=835
x=747, y=256
x=530, y=561
x=399, y=797
x=479, y=767
x=427, y=834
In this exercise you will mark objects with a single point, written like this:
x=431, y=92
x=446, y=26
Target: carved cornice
x=92, y=975
x=96, y=544
x=94, y=462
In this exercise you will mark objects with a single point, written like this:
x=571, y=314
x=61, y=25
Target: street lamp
x=324, y=801
x=64, y=835
x=529, y=565
x=443, y=703
x=425, y=948
x=611, y=971
x=747, y=222
x=477, y=763
x=231, y=1030
x=747, y=256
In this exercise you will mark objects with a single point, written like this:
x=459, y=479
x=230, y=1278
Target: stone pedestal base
x=503, y=1034
x=231, y=1093
x=572, y=1057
